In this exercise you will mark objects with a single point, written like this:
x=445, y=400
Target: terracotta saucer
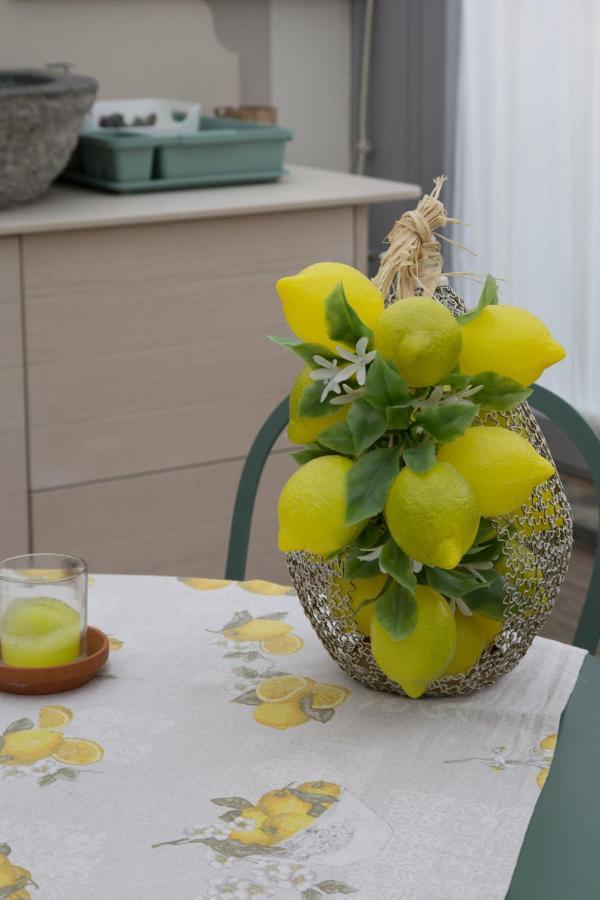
x=54, y=679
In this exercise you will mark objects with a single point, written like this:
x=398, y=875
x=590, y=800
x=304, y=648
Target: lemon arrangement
x=426, y=528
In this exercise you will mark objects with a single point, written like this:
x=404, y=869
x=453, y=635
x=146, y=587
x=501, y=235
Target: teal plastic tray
x=223, y=151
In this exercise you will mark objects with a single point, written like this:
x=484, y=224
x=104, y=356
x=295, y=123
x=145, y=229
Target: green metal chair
x=557, y=410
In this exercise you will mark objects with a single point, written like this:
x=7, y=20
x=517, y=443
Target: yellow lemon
x=470, y=644
x=417, y=660
x=115, y=643
x=255, y=814
x=78, y=752
x=321, y=788
x=501, y=466
x=54, y=716
x=26, y=747
x=510, y=341
x=541, y=777
x=282, y=646
x=421, y=337
x=433, y=517
x=257, y=630
x=267, y=588
x=204, y=584
x=280, y=715
x=306, y=429
x=285, y=825
x=303, y=299
x=15, y=876
x=328, y=696
x=490, y=628
x=312, y=508
x=274, y=803
x=549, y=743
x=282, y=687
x=359, y=590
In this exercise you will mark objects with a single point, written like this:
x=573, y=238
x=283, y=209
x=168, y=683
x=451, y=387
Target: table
x=560, y=857
x=144, y=370
x=223, y=754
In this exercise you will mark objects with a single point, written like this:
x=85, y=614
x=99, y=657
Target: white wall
x=292, y=53
x=310, y=78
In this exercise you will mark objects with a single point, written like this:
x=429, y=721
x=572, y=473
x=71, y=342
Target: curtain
x=527, y=170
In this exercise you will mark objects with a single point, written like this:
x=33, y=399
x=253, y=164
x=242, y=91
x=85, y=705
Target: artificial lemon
x=433, y=517
x=257, y=630
x=421, y=338
x=306, y=429
x=470, y=644
x=281, y=688
x=283, y=826
x=417, y=660
x=283, y=645
x=320, y=788
x=490, y=628
x=303, y=299
x=115, y=643
x=510, y=341
x=359, y=590
x=78, y=752
x=27, y=747
x=15, y=876
x=328, y=696
x=501, y=466
x=275, y=803
x=280, y=715
x=312, y=508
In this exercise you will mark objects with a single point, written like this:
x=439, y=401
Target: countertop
x=67, y=207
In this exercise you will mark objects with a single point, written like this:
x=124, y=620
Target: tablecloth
x=193, y=768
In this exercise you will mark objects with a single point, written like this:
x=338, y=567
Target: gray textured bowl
x=40, y=116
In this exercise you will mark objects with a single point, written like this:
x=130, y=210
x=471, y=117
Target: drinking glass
x=43, y=610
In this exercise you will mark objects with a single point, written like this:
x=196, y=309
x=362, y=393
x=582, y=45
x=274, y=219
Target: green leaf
x=368, y=483
x=311, y=452
x=310, y=402
x=489, y=297
x=342, y=322
x=420, y=458
x=456, y=382
x=239, y=803
x=338, y=437
x=303, y=350
x=446, y=423
x=318, y=715
x=384, y=386
x=310, y=894
x=450, y=582
x=335, y=887
x=366, y=423
x=488, y=600
x=19, y=725
x=498, y=391
x=396, y=611
x=373, y=535
x=394, y=561
x=5, y=849
x=398, y=417
x=486, y=532
x=361, y=568
x=484, y=553
x=249, y=698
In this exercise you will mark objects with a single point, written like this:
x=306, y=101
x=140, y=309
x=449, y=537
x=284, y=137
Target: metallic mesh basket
x=537, y=541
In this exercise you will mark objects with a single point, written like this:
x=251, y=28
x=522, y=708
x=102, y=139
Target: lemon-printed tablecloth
x=202, y=784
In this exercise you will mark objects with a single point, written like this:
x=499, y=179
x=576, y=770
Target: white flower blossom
x=273, y=870
x=299, y=878
x=242, y=824
x=232, y=889
x=358, y=361
x=371, y=555
x=348, y=396
x=219, y=860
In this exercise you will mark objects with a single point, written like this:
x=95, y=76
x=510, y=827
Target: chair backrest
x=554, y=407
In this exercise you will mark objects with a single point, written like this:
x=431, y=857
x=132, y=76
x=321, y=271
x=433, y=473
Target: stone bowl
x=41, y=112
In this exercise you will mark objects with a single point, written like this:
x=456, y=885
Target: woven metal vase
x=537, y=541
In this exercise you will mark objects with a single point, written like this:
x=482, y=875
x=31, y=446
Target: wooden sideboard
x=134, y=365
